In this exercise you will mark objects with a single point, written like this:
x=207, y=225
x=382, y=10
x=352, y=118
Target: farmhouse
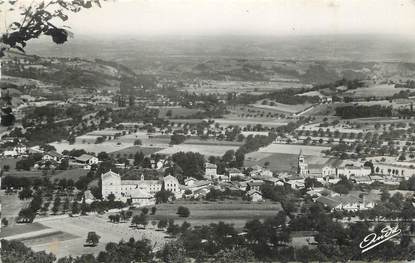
x=15, y=151
x=52, y=156
x=235, y=173
x=255, y=185
x=254, y=195
x=87, y=159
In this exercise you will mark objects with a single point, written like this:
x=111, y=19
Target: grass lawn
x=235, y=212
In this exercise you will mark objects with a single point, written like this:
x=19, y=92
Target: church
x=302, y=169
x=139, y=191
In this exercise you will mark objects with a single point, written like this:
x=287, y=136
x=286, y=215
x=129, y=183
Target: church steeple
x=302, y=165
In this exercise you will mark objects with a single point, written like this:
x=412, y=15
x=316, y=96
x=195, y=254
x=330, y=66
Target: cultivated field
x=19, y=229
x=214, y=150
x=243, y=122
x=11, y=162
x=383, y=90
x=176, y=112
x=281, y=161
x=234, y=212
x=107, y=146
x=281, y=107
x=10, y=206
x=294, y=149
x=126, y=152
x=211, y=142
x=257, y=87
x=67, y=235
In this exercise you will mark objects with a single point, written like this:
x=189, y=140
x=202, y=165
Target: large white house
x=138, y=191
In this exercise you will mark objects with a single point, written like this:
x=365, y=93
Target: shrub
x=183, y=211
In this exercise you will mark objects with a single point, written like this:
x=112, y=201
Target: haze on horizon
x=245, y=17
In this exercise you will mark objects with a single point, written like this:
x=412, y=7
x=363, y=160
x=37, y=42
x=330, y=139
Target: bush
x=183, y=211
x=153, y=210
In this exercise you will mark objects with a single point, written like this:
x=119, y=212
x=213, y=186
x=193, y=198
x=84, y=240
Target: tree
x=138, y=158
x=234, y=255
x=92, y=239
x=26, y=193
x=192, y=164
x=183, y=211
x=84, y=207
x=111, y=198
x=4, y=222
x=56, y=205
x=163, y=196
x=66, y=205
x=162, y=223
x=36, y=19
x=173, y=252
x=144, y=210
x=177, y=139
x=139, y=220
x=75, y=208
x=153, y=210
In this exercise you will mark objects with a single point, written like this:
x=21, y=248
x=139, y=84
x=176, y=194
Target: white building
x=254, y=195
x=52, y=156
x=210, y=170
x=15, y=151
x=87, y=159
x=138, y=191
x=355, y=171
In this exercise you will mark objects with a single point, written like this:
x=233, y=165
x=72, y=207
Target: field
x=279, y=107
x=11, y=206
x=73, y=174
x=383, y=90
x=133, y=149
x=293, y=149
x=66, y=236
x=281, y=161
x=11, y=162
x=243, y=122
x=234, y=212
x=175, y=112
x=21, y=229
x=214, y=150
x=211, y=142
x=108, y=146
x=87, y=142
x=223, y=87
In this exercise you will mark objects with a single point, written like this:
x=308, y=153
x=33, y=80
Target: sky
x=247, y=17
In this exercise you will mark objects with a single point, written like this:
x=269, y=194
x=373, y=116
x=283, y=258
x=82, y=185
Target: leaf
x=19, y=48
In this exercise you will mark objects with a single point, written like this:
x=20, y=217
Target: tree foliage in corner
x=40, y=18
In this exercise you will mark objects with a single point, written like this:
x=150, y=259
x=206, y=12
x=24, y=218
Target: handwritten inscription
x=372, y=240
